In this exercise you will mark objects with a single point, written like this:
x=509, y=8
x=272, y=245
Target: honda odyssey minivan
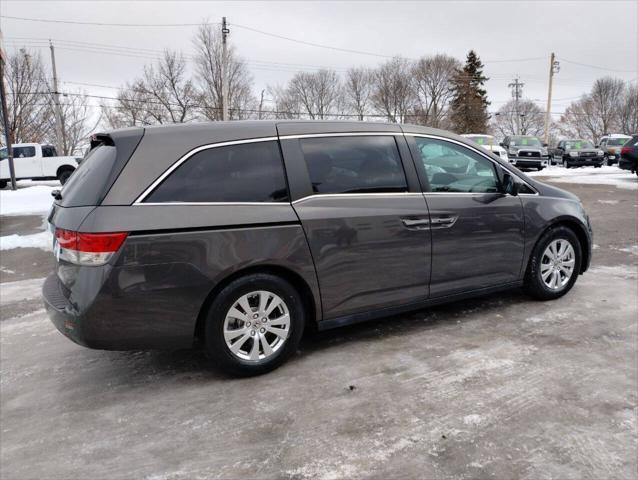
x=239, y=235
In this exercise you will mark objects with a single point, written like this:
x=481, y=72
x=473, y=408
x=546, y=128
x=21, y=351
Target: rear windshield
x=87, y=182
x=617, y=142
x=483, y=140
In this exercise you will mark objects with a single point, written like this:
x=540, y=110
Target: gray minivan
x=241, y=234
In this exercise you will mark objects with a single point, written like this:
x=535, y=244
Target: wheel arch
x=64, y=168
x=294, y=278
x=579, y=230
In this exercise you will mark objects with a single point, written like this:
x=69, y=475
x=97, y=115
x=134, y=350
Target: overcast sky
x=602, y=34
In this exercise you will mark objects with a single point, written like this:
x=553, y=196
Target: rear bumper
x=61, y=311
x=104, y=318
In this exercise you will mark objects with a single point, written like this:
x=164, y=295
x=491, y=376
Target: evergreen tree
x=468, y=108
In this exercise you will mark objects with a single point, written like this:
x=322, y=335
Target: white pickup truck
x=36, y=162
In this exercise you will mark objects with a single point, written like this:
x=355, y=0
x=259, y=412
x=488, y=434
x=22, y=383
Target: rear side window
x=354, y=164
x=86, y=184
x=23, y=152
x=249, y=172
x=48, y=151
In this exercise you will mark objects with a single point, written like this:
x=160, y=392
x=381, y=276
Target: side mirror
x=510, y=185
x=596, y=146
x=545, y=145
x=502, y=145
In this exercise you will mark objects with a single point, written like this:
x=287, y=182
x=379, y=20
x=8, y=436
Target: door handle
x=416, y=223
x=444, y=221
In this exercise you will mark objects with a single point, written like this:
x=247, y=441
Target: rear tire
x=3, y=184
x=546, y=277
x=64, y=176
x=246, y=343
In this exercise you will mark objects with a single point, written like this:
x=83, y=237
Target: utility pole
x=554, y=67
x=59, y=125
x=224, y=70
x=5, y=117
x=517, y=93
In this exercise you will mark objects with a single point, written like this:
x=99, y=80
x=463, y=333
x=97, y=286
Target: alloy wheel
x=557, y=264
x=256, y=326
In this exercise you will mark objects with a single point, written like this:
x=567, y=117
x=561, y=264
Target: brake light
x=625, y=150
x=87, y=248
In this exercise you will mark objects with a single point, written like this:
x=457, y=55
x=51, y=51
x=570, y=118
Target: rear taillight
x=625, y=150
x=89, y=249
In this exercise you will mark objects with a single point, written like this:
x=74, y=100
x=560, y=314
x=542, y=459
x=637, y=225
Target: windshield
x=3, y=153
x=525, y=142
x=617, y=142
x=483, y=139
x=578, y=144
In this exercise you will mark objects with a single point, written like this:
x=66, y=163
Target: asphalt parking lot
x=498, y=387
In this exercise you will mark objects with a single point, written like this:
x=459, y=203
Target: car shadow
x=125, y=370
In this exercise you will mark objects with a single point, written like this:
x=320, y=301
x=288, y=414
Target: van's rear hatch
x=95, y=176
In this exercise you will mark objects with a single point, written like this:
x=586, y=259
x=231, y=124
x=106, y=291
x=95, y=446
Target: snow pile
x=34, y=200
x=43, y=240
x=589, y=175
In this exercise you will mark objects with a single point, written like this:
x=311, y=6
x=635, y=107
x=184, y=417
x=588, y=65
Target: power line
x=598, y=67
x=102, y=24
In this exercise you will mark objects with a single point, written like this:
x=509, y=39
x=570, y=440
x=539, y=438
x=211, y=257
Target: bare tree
x=596, y=113
x=169, y=95
x=208, y=61
x=393, y=89
x=78, y=121
x=286, y=105
x=130, y=108
x=357, y=91
x=629, y=110
x=433, y=81
x=27, y=98
x=531, y=119
x=606, y=97
x=318, y=93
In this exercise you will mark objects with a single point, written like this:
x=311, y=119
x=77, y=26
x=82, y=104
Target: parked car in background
x=611, y=146
x=629, y=155
x=526, y=151
x=577, y=152
x=36, y=162
x=489, y=143
x=242, y=234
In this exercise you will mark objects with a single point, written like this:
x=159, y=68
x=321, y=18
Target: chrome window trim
x=341, y=134
x=219, y=204
x=186, y=156
x=476, y=150
x=358, y=195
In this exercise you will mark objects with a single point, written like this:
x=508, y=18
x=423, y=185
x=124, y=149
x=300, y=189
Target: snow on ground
x=41, y=240
x=13, y=292
x=31, y=198
x=590, y=175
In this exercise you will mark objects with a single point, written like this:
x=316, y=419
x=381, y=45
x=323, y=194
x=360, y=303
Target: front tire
x=554, y=265
x=254, y=324
x=3, y=184
x=565, y=164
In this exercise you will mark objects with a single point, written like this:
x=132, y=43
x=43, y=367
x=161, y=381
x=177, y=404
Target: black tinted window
x=23, y=152
x=48, y=151
x=354, y=164
x=86, y=184
x=250, y=172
